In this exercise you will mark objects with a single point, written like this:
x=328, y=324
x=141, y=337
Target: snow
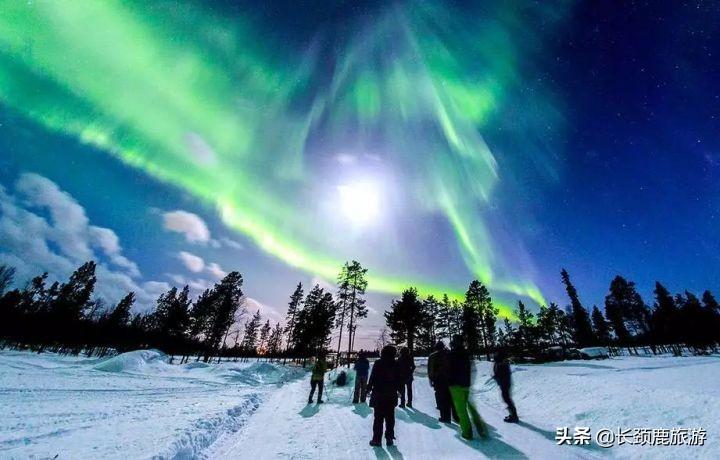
x=135, y=405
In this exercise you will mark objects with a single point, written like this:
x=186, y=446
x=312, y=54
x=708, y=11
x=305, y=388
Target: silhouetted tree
x=405, y=318
x=251, y=333
x=600, y=327
x=427, y=335
x=479, y=316
x=228, y=299
x=7, y=275
x=583, y=333
x=295, y=304
x=264, y=335
x=352, y=284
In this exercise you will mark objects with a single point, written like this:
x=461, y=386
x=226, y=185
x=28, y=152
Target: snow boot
x=402, y=406
x=511, y=419
x=389, y=442
x=375, y=443
x=320, y=401
x=310, y=401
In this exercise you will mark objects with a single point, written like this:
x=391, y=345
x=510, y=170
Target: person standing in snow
x=317, y=379
x=362, y=366
x=502, y=375
x=459, y=380
x=407, y=368
x=438, y=369
x=383, y=386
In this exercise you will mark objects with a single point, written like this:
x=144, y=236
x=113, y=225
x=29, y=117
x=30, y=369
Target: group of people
x=449, y=373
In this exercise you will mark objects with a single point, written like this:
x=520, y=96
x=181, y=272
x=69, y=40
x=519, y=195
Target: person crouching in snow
x=317, y=378
x=383, y=387
x=501, y=374
x=362, y=366
x=459, y=379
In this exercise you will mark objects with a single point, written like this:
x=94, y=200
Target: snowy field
x=137, y=406
x=130, y=406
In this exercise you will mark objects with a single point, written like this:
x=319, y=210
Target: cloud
x=268, y=312
x=194, y=263
x=215, y=270
x=44, y=229
x=232, y=244
x=191, y=225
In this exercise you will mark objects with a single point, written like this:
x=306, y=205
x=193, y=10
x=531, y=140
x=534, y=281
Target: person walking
x=362, y=366
x=459, y=380
x=438, y=370
x=406, y=364
x=502, y=375
x=383, y=387
x=317, y=379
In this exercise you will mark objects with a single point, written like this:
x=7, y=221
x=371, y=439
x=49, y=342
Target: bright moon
x=360, y=202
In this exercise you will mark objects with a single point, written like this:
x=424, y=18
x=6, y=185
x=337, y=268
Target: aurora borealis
x=261, y=114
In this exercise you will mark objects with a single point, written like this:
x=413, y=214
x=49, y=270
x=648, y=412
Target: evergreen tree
x=351, y=307
x=228, y=299
x=616, y=308
x=665, y=317
x=265, y=335
x=74, y=297
x=275, y=340
x=314, y=322
x=526, y=332
x=478, y=309
x=7, y=275
x=250, y=338
x=445, y=319
x=427, y=336
x=295, y=304
x=600, y=327
x=120, y=316
x=583, y=333
x=406, y=318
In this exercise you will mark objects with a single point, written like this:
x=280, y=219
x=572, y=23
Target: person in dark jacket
x=406, y=364
x=383, y=386
x=502, y=375
x=317, y=379
x=459, y=380
x=438, y=369
x=362, y=366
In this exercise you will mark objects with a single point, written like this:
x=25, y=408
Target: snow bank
x=135, y=361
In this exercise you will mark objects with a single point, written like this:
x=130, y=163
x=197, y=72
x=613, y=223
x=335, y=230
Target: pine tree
x=583, y=333
x=352, y=284
x=626, y=311
x=74, y=296
x=427, y=336
x=7, y=275
x=665, y=317
x=295, y=304
x=250, y=338
x=227, y=301
x=405, y=318
x=264, y=336
x=445, y=320
x=120, y=316
x=478, y=308
x=275, y=340
x=526, y=331
x=600, y=327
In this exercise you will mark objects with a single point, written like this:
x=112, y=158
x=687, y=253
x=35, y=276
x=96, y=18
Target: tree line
x=65, y=317
x=670, y=324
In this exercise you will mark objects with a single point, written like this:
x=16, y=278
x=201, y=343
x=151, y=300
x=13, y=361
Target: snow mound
x=133, y=361
x=259, y=373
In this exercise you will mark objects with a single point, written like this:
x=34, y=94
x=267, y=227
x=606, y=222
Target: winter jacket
x=406, y=366
x=459, y=368
x=318, y=371
x=501, y=373
x=438, y=366
x=362, y=366
x=384, y=383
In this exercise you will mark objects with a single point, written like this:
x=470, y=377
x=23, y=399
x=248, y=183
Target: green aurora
x=226, y=111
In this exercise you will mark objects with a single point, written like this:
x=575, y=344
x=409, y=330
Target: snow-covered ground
x=136, y=406
x=130, y=406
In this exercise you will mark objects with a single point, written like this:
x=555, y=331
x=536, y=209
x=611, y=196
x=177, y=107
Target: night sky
x=435, y=142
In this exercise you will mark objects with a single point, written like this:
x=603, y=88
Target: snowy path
x=286, y=427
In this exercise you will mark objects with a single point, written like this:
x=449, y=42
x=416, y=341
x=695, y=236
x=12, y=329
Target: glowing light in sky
x=198, y=101
x=360, y=202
